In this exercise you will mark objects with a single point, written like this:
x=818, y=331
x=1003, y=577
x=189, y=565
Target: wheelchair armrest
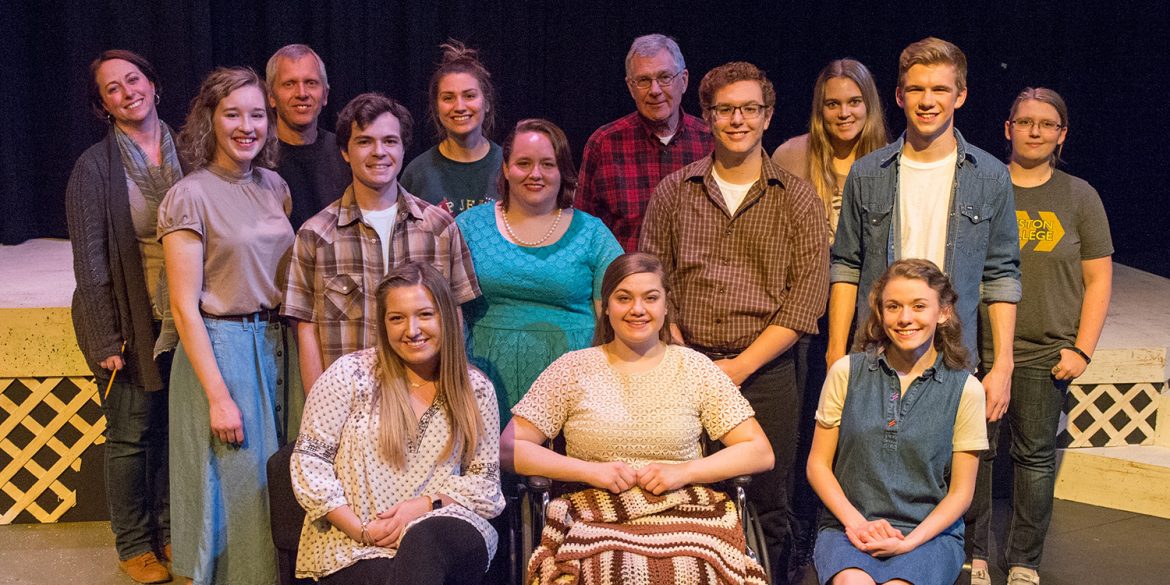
x=740, y=483
x=538, y=483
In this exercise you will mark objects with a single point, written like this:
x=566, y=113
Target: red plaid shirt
x=622, y=164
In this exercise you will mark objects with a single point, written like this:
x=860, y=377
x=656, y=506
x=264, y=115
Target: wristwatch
x=436, y=503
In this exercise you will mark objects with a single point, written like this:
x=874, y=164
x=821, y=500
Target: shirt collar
x=875, y=359
x=961, y=145
x=680, y=130
x=771, y=173
x=349, y=212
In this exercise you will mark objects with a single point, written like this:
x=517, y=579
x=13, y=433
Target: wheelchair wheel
x=529, y=532
x=530, y=515
x=754, y=534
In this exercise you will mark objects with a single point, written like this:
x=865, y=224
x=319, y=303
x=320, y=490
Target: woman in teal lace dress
x=539, y=264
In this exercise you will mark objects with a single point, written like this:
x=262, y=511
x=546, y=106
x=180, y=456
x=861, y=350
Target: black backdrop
x=563, y=61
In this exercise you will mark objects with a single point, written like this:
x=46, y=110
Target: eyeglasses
x=749, y=111
x=1028, y=124
x=663, y=80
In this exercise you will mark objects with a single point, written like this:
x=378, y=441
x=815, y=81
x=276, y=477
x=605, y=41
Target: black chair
x=286, y=515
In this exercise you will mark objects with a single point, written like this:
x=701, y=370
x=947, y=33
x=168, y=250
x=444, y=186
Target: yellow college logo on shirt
x=1046, y=231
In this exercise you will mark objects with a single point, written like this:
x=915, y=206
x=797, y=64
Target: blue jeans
x=136, y=465
x=1033, y=415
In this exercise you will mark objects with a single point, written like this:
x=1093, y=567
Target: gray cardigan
x=110, y=303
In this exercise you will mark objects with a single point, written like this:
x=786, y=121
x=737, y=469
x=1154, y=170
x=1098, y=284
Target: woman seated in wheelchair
x=632, y=409
x=899, y=428
x=397, y=463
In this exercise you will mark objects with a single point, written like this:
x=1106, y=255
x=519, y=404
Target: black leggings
x=437, y=551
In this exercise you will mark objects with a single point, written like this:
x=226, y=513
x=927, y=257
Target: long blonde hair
x=453, y=386
x=820, y=149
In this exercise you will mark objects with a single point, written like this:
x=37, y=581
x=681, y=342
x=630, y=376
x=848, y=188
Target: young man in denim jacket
x=932, y=195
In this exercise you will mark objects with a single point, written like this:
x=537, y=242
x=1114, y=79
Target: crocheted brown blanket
x=692, y=535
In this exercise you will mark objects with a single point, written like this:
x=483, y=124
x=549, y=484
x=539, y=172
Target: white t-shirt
x=970, y=420
x=383, y=223
x=733, y=193
x=665, y=139
x=924, y=197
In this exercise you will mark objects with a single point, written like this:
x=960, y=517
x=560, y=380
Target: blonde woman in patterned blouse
x=397, y=463
x=633, y=407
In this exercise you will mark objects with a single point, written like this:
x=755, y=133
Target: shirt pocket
x=875, y=227
x=343, y=297
x=974, y=227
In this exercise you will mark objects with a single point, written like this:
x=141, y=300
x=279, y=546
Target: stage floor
x=1086, y=544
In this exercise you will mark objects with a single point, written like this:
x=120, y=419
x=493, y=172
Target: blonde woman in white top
x=397, y=463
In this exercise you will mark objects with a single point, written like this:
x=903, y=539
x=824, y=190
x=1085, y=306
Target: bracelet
x=364, y=537
x=1084, y=356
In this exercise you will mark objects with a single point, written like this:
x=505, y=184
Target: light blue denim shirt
x=983, y=246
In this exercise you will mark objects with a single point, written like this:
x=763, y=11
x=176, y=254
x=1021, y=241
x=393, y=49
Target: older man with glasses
x=625, y=159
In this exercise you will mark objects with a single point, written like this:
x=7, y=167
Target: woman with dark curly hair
x=235, y=399
x=899, y=428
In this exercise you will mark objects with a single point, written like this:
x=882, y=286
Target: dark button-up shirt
x=732, y=275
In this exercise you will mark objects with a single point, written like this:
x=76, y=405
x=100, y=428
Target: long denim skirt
x=219, y=498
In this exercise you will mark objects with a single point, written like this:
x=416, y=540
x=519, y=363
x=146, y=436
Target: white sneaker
x=1021, y=576
x=980, y=577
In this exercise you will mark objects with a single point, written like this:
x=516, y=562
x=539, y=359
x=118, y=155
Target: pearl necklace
x=549, y=233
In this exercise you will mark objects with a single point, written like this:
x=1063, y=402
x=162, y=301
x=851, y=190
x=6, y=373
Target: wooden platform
x=51, y=424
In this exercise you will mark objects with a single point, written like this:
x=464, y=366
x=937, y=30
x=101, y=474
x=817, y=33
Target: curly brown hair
x=197, y=139
x=727, y=74
x=948, y=337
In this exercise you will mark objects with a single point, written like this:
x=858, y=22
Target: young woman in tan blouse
x=633, y=407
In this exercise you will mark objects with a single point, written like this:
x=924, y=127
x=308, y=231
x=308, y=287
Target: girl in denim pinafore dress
x=899, y=426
